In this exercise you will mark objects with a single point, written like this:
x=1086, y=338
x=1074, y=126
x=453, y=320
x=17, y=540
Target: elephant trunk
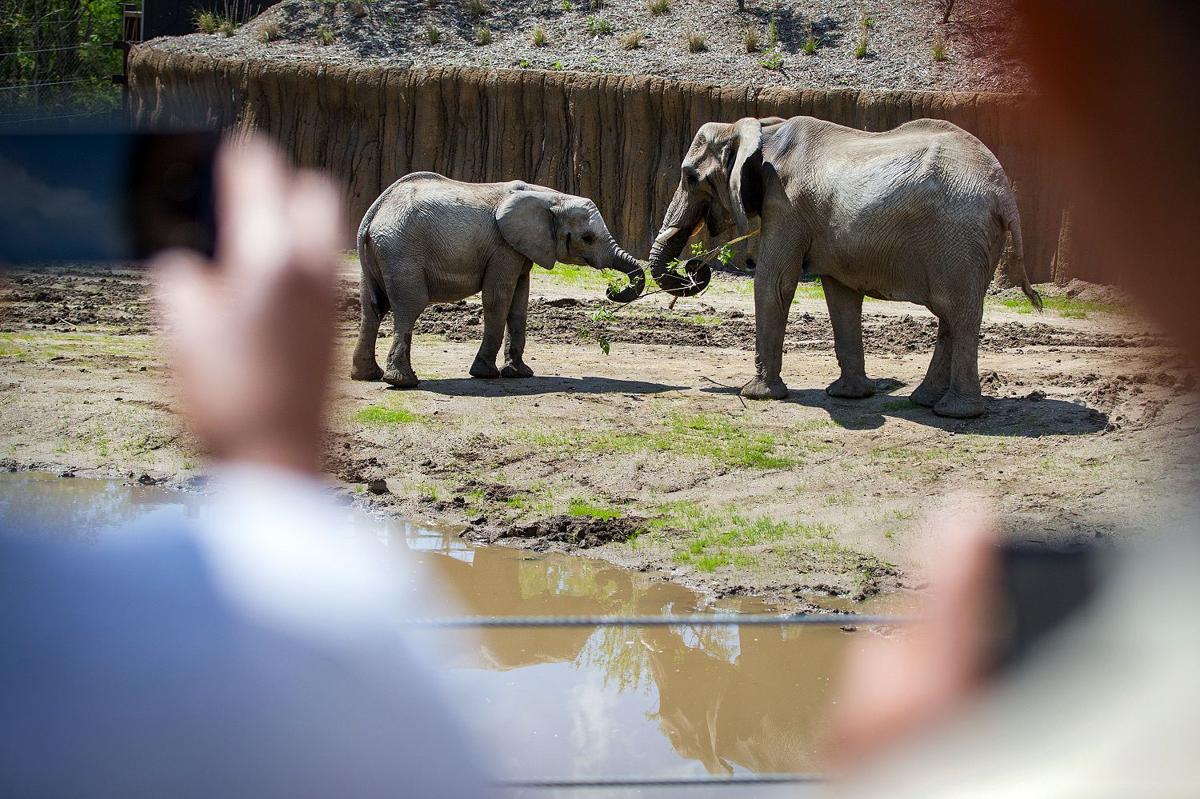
x=666, y=248
x=633, y=269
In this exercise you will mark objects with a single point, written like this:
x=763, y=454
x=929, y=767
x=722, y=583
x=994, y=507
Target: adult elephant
x=431, y=239
x=918, y=213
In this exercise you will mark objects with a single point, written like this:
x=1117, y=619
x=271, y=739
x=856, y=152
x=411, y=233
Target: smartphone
x=1040, y=589
x=105, y=196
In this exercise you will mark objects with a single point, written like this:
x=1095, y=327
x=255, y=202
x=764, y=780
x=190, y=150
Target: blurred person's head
x=1118, y=105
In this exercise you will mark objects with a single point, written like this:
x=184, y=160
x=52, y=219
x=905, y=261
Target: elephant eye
x=588, y=238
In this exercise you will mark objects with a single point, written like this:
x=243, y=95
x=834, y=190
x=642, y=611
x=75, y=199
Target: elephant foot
x=851, y=387
x=760, y=389
x=483, y=369
x=956, y=406
x=397, y=378
x=366, y=371
x=516, y=369
x=926, y=395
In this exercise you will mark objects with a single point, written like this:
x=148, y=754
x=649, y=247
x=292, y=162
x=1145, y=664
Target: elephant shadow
x=1003, y=416
x=533, y=386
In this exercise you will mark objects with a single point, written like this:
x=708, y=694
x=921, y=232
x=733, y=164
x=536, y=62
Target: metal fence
x=58, y=60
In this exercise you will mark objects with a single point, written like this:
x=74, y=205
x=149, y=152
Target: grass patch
x=751, y=40
x=715, y=436
x=1068, y=307
x=658, y=7
x=379, y=415
x=726, y=538
x=598, y=26
x=632, y=40
x=539, y=37
x=696, y=42
x=325, y=35
x=939, y=48
x=483, y=36
x=899, y=405
x=269, y=32
x=591, y=510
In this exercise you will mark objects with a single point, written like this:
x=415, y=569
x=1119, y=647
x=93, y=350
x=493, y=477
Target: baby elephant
x=431, y=239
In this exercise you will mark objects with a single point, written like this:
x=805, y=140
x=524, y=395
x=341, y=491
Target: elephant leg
x=399, y=372
x=937, y=378
x=773, y=293
x=499, y=284
x=514, y=344
x=374, y=306
x=964, y=399
x=845, y=314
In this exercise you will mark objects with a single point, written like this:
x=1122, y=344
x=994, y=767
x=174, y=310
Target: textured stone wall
x=616, y=139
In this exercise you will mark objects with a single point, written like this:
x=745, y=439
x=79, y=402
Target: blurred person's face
x=1119, y=103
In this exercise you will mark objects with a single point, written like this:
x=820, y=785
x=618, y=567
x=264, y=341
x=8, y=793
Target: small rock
x=1035, y=396
x=377, y=487
x=478, y=520
x=67, y=473
x=848, y=628
x=147, y=480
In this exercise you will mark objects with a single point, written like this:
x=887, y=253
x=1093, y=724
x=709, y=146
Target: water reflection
x=729, y=699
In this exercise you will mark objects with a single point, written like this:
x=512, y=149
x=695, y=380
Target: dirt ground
x=646, y=455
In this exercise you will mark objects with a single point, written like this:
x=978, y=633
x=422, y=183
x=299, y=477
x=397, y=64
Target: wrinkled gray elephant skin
x=430, y=239
x=919, y=213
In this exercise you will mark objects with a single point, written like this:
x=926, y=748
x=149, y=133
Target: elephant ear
x=528, y=222
x=745, y=144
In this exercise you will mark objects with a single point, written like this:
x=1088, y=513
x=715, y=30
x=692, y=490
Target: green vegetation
x=269, y=32
x=939, y=48
x=866, y=21
x=1068, y=307
x=751, y=40
x=582, y=507
x=862, y=48
x=899, y=405
x=433, y=34
x=632, y=40
x=696, y=42
x=810, y=45
x=207, y=22
x=566, y=5
x=658, y=7
x=380, y=415
x=723, y=537
x=477, y=8
x=772, y=32
x=48, y=43
x=773, y=60
x=483, y=36
x=598, y=25
x=325, y=35
x=539, y=36
x=715, y=436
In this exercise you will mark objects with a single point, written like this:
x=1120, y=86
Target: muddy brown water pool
x=567, y=702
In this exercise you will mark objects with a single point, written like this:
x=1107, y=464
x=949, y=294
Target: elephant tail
x=1011, y=218
x=372, y=289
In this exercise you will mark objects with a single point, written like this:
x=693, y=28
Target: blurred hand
x=893, y=687
x=250, y=335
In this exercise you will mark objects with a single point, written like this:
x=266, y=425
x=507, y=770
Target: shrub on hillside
x=695, y=42
x=632, y=40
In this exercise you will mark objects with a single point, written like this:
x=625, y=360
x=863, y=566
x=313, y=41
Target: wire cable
x=733, y=780
x=695, y=620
